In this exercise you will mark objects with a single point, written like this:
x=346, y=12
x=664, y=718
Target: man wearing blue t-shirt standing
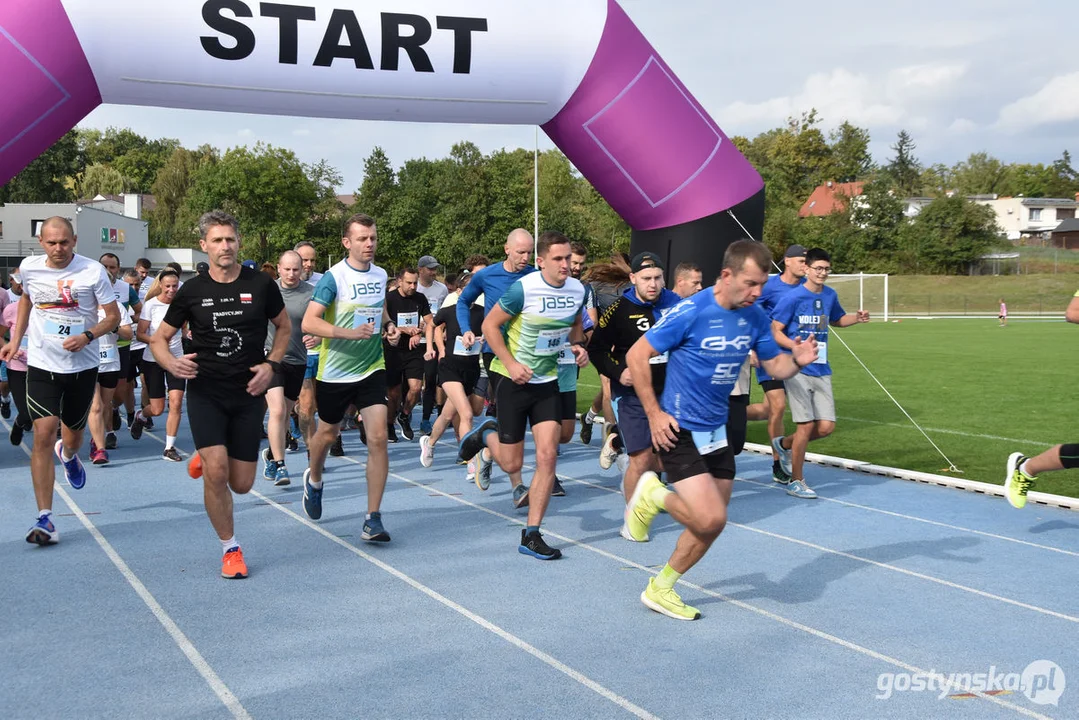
x=707, y=337
x=804, y=313
x=492, y=282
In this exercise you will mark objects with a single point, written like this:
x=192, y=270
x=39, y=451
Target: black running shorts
x=67, y=396
x=684, y=461
x=519, y=405
x=223, y=413
x=333, y=399
x=291, y=379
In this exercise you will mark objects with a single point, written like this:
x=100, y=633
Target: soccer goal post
x=862, y=291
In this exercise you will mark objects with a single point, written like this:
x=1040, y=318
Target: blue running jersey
x=807, y=314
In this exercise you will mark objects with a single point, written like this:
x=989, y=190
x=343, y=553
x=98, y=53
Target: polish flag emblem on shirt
x=245, y=298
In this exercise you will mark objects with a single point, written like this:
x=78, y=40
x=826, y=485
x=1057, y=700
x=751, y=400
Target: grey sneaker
x=172, y=454
x=520, y=496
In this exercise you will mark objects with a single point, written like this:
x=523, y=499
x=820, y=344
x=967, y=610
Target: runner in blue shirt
x=805, y=313
x=775, y=398
x=708, y=337
x=492, y=282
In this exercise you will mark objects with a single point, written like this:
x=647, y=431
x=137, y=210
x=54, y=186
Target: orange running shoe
x=233, y=566
x=194, y=466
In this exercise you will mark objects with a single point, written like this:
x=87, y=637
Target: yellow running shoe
x=1016, y=482
x=640, y=510
x=667, y=602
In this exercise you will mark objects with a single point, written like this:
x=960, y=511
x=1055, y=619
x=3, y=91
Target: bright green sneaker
x=1016, y=482
x=640, y=510
x=667, y=602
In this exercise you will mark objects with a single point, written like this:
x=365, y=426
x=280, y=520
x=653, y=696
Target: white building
x=1020, y=217
x=98, y=229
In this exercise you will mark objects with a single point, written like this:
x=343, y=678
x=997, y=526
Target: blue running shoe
x=281, y=476
x=74, y=472
x=426, y=427
x=473, y=442
x=799, y=489
x=312, y=498
x=532, y=543
x=269, y=467
x=43, y=532
x=784, y=455
x=373, y=530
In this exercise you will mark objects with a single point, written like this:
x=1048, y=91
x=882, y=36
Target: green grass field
x=980, y=391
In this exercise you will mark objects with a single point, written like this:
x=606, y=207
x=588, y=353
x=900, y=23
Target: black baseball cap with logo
x=645, y=260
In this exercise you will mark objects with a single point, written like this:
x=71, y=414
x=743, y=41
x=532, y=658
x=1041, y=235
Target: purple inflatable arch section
x=630, y=126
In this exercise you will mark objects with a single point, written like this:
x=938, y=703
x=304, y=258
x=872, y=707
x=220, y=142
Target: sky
x=959, y=76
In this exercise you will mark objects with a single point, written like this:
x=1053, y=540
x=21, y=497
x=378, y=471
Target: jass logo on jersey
x=364, y=289
x=557, y=302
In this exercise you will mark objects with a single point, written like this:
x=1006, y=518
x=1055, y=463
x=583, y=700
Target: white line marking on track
x=772, y=486
x=186, y=646
x=885, y=566
x=942, y=679
x=482, y=622
x=946, y=431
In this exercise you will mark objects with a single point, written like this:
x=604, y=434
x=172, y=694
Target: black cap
x=645, y=260
x=202, y=268
x=795, y=251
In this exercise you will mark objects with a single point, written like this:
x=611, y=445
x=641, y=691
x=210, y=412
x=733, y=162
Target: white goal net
x=862, y=291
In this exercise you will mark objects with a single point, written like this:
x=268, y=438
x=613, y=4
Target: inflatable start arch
x=578, y=68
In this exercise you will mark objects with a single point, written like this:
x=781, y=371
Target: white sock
x=64, y=456
x=6, y=397
x=229, y=544
x=1023, y=469
x=44, y=513
x=315, y=485
x=590, y=415
x=170, y=440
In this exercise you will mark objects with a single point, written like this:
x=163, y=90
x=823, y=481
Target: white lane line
x=482, y=622
x=196, y=659
x=914, y=518
x=946, y=431
x=941, y=678
x=884, y=566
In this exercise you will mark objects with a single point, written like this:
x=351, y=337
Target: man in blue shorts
x=707, y=337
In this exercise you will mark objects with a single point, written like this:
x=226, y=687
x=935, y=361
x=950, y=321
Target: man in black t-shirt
x=411, y=311
x=227, y=371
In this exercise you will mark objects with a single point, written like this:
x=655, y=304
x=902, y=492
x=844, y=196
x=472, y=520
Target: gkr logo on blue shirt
x=708, y=345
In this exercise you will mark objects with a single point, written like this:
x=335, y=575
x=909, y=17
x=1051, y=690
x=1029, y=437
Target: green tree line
x=468, y=201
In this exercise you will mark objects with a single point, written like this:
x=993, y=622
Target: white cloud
x=1057, y=101
x=858, y=97
x=962, y=126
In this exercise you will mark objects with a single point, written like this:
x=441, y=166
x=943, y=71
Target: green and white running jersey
x=542, y=318
x=351, y=297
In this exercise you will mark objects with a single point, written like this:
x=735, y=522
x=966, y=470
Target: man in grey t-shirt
x=284, y=389
x=436, y=293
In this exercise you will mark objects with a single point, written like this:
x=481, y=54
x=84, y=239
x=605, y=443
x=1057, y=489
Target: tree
x=950, y=233
x=878, y=217
x=134, y=156
x=50, y=178
x=904, y=170
x=850, y=152
x=1063, y=180
x=100, y=179
x=979, y=174
x=268, y=191
x=169, y=223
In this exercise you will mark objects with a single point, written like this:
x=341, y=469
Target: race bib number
x=408, y=320
x=24, y=344
x=566, y=356
x=367, y=316
x=710, y=442
x=108, y=353
x=61, y=328
x=550, y=342
x=822, y=354
x=660, y=359
x=460, y=349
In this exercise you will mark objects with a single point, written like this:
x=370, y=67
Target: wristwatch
x=89, y=335
x=274, y=365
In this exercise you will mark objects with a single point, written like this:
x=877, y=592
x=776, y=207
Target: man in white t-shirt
x=58, y=311
x=436, y=293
